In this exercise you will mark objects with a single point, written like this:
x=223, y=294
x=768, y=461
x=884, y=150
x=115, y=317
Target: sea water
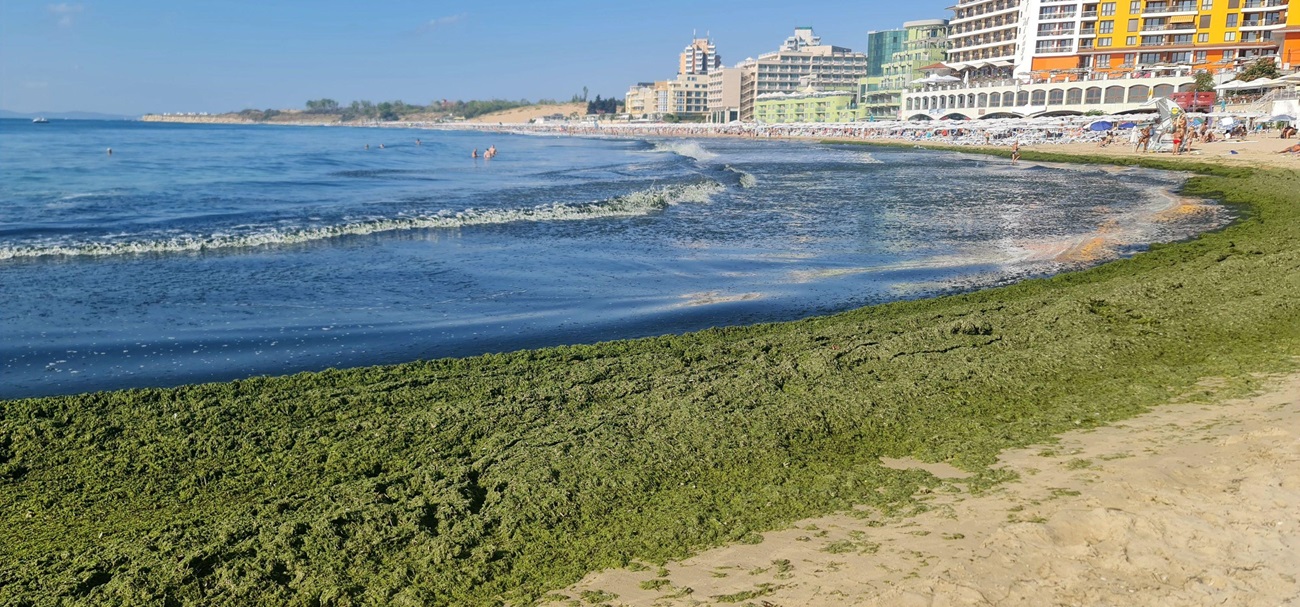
x=204, y=252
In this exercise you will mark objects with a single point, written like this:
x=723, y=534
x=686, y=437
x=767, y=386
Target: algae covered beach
x=503, y=478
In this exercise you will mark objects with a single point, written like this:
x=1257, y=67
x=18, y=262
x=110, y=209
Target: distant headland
x=328, y=111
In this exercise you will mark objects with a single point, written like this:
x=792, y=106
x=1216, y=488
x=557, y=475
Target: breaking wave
x=642, y=202
x=689, y=149
x=747, y=180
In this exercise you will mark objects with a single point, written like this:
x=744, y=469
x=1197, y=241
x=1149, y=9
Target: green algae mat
x=496, y=479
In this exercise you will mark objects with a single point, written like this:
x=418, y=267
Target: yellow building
x=1149, y=35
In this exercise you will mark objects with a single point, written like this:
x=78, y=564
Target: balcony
x=1258, y=5
x=1255, y=23
x=1166, y=9
x=1057, y=15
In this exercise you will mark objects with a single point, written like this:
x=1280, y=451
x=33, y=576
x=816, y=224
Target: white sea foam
x=747, y=180
x=689, y=149
x=636, y=203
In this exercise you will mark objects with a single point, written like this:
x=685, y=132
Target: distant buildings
x=804, y=58
x=1055, y=57
x=687, y=95
x=923, y=43
x=992, y=58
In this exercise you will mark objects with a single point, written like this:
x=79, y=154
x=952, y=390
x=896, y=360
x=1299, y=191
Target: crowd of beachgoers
x=1099, y=130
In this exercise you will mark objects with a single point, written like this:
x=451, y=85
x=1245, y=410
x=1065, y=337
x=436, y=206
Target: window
x=1205, y=22
x=1103, y=60
x=1202, y=38
x=1131, y=41
x=1230, y=37
x=1200, y=56
x=1103, y=42
x=1135, y=7
x=1232, y=20
x=1230, y=53
x=1207, y=5
x=1106, y=27
x=1107, y=9
x=1132, y=25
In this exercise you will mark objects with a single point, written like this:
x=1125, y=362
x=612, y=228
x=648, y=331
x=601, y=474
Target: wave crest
x=689, y=149
x=636, y=203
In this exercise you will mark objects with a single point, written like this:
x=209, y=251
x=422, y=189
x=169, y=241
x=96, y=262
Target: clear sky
x=133, y=56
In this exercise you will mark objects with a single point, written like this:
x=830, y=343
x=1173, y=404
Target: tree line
x=399, y=110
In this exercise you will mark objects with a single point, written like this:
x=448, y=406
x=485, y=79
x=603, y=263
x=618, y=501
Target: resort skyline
x=140, y=57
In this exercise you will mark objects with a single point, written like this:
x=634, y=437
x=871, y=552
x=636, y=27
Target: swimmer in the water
x=474, y=154
x=110, y=151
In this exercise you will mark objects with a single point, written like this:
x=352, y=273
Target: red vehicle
x=1194, y=102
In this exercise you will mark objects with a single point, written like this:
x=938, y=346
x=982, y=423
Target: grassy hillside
x=470, y=482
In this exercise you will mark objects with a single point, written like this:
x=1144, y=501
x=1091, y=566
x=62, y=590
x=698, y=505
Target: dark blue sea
x=200, y=253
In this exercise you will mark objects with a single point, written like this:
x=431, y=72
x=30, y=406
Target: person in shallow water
x=474, y=154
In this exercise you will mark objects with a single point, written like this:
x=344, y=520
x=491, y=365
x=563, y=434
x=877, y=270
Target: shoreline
x=600, y=454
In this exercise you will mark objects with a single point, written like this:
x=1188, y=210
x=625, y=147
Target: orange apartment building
x=1075, y=37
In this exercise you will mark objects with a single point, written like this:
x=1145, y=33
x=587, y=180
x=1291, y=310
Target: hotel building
x=923, y=43
x=685, y=96
x=803, y=56
x=1115, y=37
x=802, y=63
x=1016, y=58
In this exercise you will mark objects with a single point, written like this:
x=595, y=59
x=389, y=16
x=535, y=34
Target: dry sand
x=1190, y=504
x=521, y=115
x=1254, y=151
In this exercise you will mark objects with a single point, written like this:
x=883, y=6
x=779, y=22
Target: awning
x=1183, y=19
x=1001, y=63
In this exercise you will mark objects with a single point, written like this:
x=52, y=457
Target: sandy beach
x=1189, y=504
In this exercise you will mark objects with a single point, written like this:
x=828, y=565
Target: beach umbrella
x=1282, y=118
x=1127, y=125
x=1101, y=125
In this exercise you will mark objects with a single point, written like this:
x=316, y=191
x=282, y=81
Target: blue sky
x=133, y=57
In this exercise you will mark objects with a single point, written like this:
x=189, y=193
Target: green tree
x=387, y=112
x=1264, y=68
x=322, y=105
x=1204, y=82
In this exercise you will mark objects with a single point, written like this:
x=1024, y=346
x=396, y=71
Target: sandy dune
x=521, y=115
x=1190, y=504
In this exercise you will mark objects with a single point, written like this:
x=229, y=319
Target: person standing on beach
x=1015, y=152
